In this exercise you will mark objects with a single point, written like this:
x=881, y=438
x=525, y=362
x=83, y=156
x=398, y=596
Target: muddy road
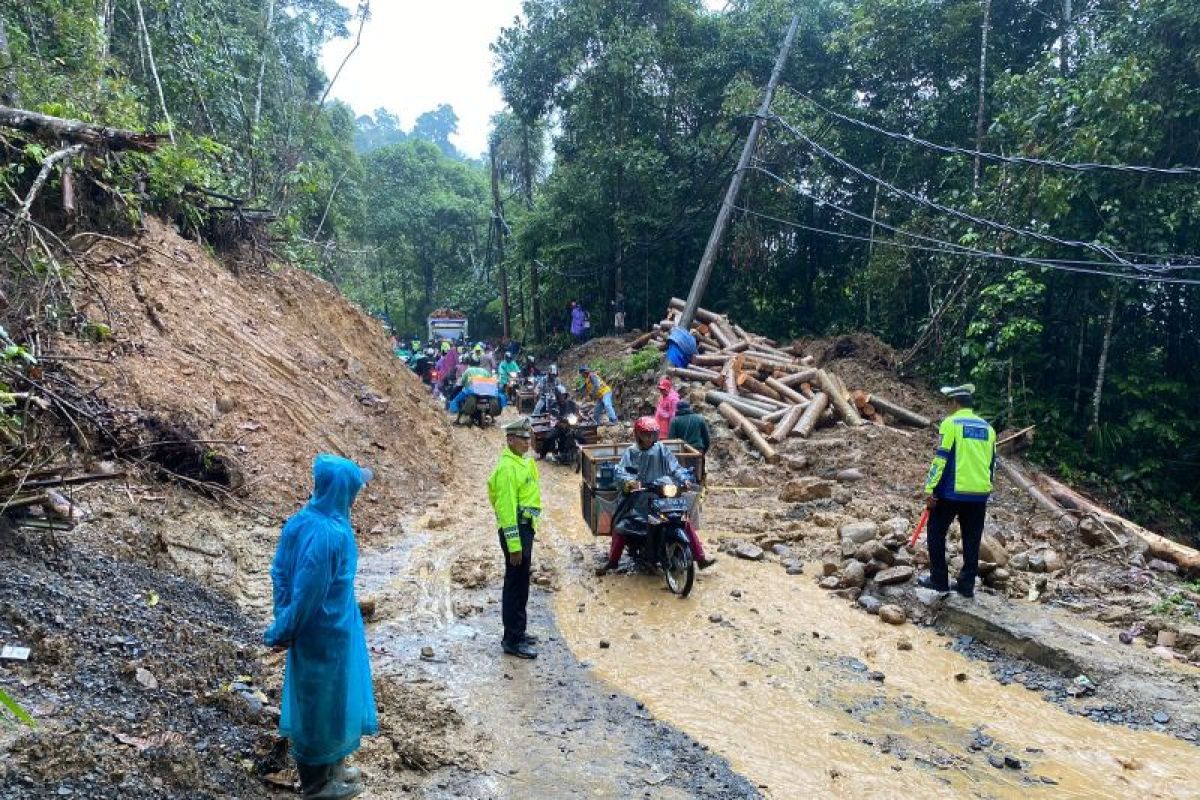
x=758, y=684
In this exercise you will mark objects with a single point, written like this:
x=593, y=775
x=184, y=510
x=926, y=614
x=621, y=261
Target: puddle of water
x=801, y=716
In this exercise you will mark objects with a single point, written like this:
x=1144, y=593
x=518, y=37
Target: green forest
x=1003, y=192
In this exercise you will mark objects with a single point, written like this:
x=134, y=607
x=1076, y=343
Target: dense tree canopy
x=966, y=265
x=866, y=205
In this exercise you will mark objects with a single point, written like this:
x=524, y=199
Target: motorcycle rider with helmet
x=642, y=464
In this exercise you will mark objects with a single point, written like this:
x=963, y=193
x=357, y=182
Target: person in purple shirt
x=579, y=322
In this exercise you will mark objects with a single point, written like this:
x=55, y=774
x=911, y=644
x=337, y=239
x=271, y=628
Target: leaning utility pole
x=735, y=185
x=498, y=227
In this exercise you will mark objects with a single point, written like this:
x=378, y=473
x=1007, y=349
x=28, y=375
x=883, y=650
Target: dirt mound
x=240, y=381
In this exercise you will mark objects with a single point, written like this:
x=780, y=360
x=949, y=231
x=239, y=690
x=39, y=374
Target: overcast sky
x=416, y=54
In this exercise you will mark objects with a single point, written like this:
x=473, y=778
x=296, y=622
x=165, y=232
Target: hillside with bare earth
x=210, y=392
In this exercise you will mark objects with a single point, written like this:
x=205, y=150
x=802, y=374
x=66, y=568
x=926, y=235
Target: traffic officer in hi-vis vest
x=517, y=500
x=958, y=487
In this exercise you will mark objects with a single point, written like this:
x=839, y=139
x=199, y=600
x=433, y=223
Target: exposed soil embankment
x=213, y=391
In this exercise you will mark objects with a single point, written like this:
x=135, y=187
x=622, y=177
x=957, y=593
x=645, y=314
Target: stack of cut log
x=763, y=390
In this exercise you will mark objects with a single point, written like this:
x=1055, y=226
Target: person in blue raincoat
x=328, y=701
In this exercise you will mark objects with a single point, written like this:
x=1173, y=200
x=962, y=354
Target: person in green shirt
x=958, y=487
x=690, y=426
x=509, y=372
x=516, y=500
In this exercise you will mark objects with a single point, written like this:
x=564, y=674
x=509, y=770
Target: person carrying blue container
x=328, y=701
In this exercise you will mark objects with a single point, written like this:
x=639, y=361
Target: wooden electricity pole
x=498, y=228
x=704, y=272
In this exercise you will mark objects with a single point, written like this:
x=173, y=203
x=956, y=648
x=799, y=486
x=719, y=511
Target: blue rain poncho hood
x=681, y=347
x=328, y=702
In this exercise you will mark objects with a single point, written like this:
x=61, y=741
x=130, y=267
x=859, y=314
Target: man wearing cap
x=958, y=487
x=517, y=501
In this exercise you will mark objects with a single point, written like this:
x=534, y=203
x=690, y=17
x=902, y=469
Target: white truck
x=446, y=323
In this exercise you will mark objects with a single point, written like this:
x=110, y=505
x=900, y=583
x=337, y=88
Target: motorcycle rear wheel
x=679, y=568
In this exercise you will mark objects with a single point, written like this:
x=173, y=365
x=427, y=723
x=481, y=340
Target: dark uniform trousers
x=970, y=521
x=516, y=586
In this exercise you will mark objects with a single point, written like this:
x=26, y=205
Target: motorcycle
x=570, y=454
x=660, y=541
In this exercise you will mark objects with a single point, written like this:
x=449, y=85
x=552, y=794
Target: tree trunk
x=162, y=100
x=812, y=414
x=498, y=227
x=1079, y=362
x=980, y=121
x=831, y=386
x=75, y=131
x=1064, y=40
x=8, y=92
x=262, y=64
x=1103, y=363
x=785, y=425
x=899, y=411
x=740, y=423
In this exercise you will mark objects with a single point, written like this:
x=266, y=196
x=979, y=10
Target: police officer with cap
x=958, y=487
x=517, y=501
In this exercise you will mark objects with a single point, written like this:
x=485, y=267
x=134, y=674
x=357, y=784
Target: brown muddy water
x=781, y=685
x=772, y=676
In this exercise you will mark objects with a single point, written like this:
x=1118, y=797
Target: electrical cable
x=965, y=250
x=1109, y=253
x=947, y=247
x=1026, y=160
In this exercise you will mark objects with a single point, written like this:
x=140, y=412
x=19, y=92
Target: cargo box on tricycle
x=598, y=491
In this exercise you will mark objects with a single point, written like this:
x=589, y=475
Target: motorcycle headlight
x=571, y=418
x=670, y=490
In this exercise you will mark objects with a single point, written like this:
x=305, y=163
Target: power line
x=969, y=153
x=947, y=247
x=1109, y=253
x=957, y=249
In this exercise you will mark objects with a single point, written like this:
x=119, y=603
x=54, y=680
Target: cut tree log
x=745, y=406
x=76, y=131
x=711, y=360
x=729, y=378
x=1017, y=441
x=702, y=314
x=812, y=414
x=740, y=423
x=1061, y=517
x=642, y=341
x=786, y=392
x=832, y=386
x=796, y=378
x=693, y=373
x=1186, y=557
x=748, y=382
x=899, y=411
x=784, y=427
x=723, y=336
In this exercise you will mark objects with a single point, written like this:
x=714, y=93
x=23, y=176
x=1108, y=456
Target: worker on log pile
x=516, y=499
x=958, y=487
x=328, y=703
x=690, y=427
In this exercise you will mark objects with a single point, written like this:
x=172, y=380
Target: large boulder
x=859, y=532
x=991, y=550
x=853, y=574
x=894, y=575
